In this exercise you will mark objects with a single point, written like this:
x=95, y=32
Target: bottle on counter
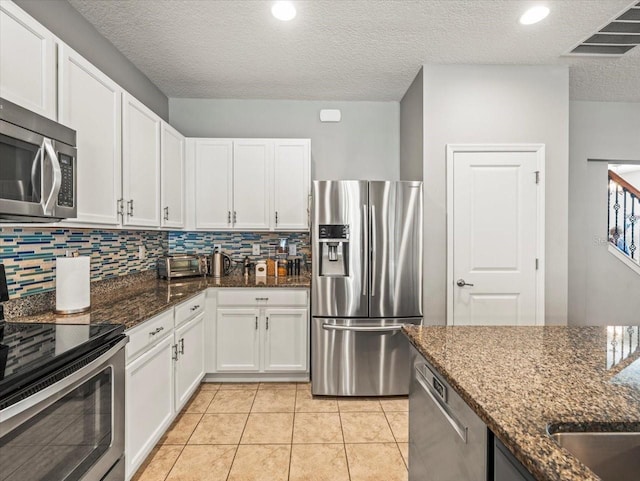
x=271, y=264
x=282, y=268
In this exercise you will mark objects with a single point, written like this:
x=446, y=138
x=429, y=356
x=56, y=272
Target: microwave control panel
x=65, y=196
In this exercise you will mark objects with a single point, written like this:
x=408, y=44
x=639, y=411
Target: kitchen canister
x=72, y=284
x=261, y=269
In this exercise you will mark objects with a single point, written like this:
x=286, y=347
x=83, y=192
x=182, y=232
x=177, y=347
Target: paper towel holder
x=72, y=254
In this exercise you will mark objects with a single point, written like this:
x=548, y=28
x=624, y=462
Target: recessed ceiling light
x=284, y=11
x=534, y=15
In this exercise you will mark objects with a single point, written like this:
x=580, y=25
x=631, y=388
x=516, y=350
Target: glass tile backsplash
x=29, y=253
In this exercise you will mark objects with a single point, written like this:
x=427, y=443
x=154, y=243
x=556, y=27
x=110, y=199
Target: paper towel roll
x=72, y=284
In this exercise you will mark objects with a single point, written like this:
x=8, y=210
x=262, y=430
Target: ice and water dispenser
x=334, y=250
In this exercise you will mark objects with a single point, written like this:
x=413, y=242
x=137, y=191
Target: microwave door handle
x=36, y=183
x=50, y=153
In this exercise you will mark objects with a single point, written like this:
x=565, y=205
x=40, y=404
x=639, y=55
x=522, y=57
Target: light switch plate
x=256, y=249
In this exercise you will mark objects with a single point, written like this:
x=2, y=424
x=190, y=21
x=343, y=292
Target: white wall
x=412, y=131
x=364, y=145
x=602, y=290
x=496, y=104
x=633, y=177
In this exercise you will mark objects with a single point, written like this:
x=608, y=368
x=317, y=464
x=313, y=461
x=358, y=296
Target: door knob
x=462, y=283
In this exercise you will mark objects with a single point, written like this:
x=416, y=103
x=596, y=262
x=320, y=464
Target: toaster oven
x=186, y=265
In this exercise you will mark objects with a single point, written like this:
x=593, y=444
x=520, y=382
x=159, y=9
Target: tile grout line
x=396, y=440
x=344, y=441
x=242, y=433
x=293, y=428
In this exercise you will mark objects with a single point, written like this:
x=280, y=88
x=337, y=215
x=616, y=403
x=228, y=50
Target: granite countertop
x=136, y=303
x=519, y=380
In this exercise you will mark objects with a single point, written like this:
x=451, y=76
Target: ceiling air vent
x=614, y=39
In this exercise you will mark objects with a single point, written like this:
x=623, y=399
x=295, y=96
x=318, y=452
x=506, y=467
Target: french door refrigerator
x=367, y=283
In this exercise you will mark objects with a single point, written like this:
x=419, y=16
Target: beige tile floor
x=280, y=432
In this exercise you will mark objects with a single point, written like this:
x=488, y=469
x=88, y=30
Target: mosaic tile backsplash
x=28, y=254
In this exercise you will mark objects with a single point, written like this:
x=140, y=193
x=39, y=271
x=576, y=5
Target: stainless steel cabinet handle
x=130, y=208
x=196, y=307
x=182, y=345
x=157, y=330
x=333, y=327
x=166, y=213
x=276, y=217
x=365, y=250
x=120, y=208
x=460, y=430
x=234, y=217
x=262, y=298
x=228, y=217
x=462, y=283
x=267, y=322
x=374, y=233
x=175, y=352
x=256, y=323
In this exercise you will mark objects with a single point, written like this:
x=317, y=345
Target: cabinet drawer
x=189, y=309
x=262, y=297
x=148, y=333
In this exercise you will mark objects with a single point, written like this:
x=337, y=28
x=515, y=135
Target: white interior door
x=495, y=232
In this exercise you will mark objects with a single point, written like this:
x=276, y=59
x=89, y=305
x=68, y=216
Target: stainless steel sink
x=614, y=456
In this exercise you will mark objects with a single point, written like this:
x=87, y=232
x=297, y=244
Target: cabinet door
x=286, y=340
x=149, y=402
x=27, y=61
x=237, y=337
x=291, y=184
x=91, y=103
x=190, y=364
x=213, y=181
x=252, y=163
x=140, y=164
x=172, y=174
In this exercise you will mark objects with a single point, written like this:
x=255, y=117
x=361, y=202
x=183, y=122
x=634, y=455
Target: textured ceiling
x=351, y=49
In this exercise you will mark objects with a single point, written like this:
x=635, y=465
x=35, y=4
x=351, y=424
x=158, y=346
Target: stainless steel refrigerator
x=367, y=283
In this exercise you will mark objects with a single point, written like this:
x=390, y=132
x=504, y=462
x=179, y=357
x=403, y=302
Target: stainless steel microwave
x=38, y=170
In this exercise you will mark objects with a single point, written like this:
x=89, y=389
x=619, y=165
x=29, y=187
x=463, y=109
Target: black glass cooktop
x=30, y=351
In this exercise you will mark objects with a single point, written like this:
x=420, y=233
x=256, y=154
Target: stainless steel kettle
x=220, y=264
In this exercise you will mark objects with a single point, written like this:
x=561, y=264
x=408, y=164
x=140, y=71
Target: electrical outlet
x=292, y=249
x=256, y=249
x=142, y=252
x=217, y=247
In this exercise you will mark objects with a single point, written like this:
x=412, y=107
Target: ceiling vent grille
x=614, y=39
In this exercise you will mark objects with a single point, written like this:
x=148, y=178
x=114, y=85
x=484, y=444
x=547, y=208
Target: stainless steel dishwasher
x=447, y=440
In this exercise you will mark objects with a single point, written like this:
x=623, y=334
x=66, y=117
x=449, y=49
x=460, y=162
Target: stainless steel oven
x=69, y=424
x=38, y=171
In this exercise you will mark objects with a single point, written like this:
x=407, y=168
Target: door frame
x=539, y=150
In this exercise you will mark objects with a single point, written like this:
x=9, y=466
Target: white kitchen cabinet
x=237, y=340
x=140, y=164
x=189, y=366
x=91, y=103
x=291, y=173
x=252, y=165
x=261, y=331
x=149, y=406
x=213, y=183
x=27, y=61
x=286, y=340
x=172, y=172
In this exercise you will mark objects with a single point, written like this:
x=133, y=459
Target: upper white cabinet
x=140, y=164
x=213, y=182
x=251, y=184
x=172, y=173
x=252, y=163
x=27, y=61
x=91, y=103
x=291, y=175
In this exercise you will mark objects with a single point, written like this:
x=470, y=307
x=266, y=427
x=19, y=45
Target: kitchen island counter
x=137, y=302
x=522, y=380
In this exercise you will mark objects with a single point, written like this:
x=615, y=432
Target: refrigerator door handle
x=365, y=249
x=333, y=327
x=374, y=234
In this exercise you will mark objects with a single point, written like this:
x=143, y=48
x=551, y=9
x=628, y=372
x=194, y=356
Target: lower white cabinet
x=149, y=402
x=262, y=331
x=189, y=365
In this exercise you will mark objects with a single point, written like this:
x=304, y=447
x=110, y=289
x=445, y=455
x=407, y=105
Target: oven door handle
x=333, y=327
x=14, y=415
